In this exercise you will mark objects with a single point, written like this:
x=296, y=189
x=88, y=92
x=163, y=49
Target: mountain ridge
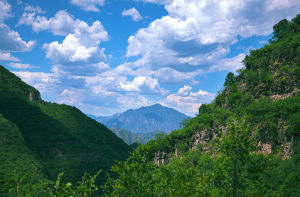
x=145, y=119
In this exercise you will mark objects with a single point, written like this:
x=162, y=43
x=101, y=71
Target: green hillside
x=55, y=138
x=245, y=143
x=130, y=137
x=18, y=162
x=126, y=136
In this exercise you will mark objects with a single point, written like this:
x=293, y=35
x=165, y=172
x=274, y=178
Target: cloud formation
x=193, y=38
x=187, y=101
x=36, y=9
x=80, y=48
x=10, y=40
x=197, y=34
x=88, y=5
x=7, y=57
x=133, y=13
x=21, y=65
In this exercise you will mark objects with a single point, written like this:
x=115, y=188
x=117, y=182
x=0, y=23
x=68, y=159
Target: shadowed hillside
x=59, y=138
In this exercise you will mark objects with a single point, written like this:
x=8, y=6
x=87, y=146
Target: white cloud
x=36, y=9
x=142, y=84
x=21, y=66
x=11, y=41
x=133, y=101
x=88, y=5
x=80, y=47
x=229, y=64
x=133, y=13
x=62, y=23
x=187, y=101
x=156, y=1
x=7, y=57
x=79, y=53
x=168, y=75
x=184, y=91
x=5, y=10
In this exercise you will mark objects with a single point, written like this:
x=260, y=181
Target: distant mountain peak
x=145, y=119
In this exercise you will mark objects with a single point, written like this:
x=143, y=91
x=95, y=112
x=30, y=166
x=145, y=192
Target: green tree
x=236, y=144
x=229, y=80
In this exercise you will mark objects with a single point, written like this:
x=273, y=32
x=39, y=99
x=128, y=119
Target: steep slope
x=265, y=93
x=245, y=143
x=17, y=161
x=130, y=138
x=145, y=119
x=126, y=136
x=61, y=136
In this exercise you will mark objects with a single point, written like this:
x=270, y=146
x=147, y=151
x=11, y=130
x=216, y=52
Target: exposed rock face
x=264, y=148
x=34, y=96
x=30, y=96
x=200, y=137
x=287, y=150
x=162, y=158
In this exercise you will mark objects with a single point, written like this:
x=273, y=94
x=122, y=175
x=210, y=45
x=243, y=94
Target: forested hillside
x=38, y=140
x=131, y=138
x=245, y=143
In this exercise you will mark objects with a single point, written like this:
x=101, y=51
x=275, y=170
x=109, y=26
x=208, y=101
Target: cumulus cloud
x=187, y=101
x=36, y=9
x=10, y=40
x=168, y=75
x=79, y=48
x=21, y=66
x=88, y=5
x=79, y=51
x=133, y=13
x=7, y=57
x=142, y=84
x=197, y=34
x=184, y=91
x=62, y=23
x=229, y=64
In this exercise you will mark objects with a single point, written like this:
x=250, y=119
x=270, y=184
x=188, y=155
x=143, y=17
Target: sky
x=107, y=56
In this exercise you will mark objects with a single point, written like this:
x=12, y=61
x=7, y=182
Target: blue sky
x=107, y=56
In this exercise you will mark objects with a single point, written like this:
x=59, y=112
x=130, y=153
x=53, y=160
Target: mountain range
x=145, y=119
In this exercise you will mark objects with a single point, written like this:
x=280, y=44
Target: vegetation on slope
x=245, y=143
x=130, y=137
x=20, y=169
x=59, y=138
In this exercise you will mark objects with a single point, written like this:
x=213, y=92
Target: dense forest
x=245, y=143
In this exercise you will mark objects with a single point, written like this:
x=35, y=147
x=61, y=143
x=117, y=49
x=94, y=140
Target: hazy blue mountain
x=145, y=119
